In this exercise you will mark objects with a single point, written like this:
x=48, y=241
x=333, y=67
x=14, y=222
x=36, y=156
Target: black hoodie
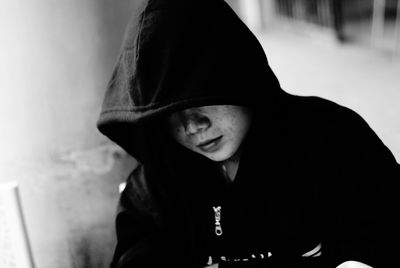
x=313, y=175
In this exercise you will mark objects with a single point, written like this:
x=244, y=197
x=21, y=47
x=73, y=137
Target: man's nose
x=197, y=125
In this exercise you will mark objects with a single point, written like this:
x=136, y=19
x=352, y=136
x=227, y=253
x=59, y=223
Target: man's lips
x=206, y=143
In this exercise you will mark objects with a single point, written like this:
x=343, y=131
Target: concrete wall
x=56, y=58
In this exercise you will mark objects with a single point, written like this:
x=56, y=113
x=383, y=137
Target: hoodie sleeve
x=139, y=241
x=364, y=197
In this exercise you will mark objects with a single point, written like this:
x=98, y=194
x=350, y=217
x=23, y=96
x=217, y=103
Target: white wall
x=55, y=60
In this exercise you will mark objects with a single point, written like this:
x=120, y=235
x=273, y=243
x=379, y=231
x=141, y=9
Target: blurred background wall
x=57, y=57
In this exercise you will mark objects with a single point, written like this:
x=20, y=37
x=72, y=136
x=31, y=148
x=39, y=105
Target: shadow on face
x=214, y=131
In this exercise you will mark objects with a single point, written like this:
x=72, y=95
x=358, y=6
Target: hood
x=179, y=54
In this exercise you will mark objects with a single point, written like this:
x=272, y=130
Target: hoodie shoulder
x=137, y=196
x=317, y=110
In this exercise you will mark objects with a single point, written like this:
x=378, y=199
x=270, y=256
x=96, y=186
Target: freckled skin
x=191, y=127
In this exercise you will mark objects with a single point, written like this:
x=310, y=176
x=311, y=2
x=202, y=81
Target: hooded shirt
x=315, y=185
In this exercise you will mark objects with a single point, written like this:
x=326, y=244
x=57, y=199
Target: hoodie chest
x=259, y=220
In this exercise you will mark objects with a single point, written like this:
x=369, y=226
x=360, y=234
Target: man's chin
x=219, y=156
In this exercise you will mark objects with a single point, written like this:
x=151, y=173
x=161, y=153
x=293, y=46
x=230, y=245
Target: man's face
x=213, y=131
